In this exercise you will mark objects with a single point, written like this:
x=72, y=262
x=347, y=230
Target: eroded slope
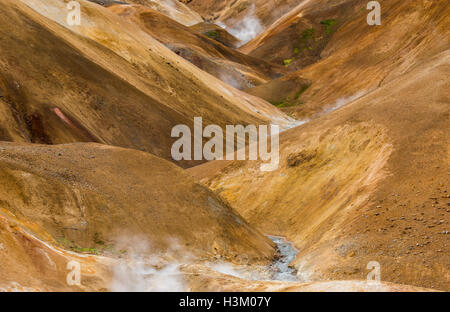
x=105, y=81
x=232, y=67
x=367, y=182
x=90, y=196
x=342, y=56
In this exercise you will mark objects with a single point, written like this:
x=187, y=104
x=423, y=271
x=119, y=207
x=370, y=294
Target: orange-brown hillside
x=104, y=81
x=92, y=198
x=367, y=182
x=341, y=55
x=231, y=12
x=86, y=172
x=226, y=64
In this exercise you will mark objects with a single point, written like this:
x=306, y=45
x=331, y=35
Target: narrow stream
x=141, y=274
x=288, y=253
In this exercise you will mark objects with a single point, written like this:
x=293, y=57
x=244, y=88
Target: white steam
x=248, y=28
x=280, y=270
x=250, y=273
x=344, y=101
x=144, y=276
x=141, y=271
x=227, y=269
x=230, y=80
x=221, y=25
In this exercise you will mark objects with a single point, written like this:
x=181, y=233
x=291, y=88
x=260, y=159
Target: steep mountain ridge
x=226, y=64
x=353, y=58
x=106, y=81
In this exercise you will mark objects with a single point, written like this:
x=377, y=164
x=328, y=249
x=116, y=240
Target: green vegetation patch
x=288, y=62
x=92, y=251
x=65, y=242
x=212, y=34
x=280, y=104
x=328, y=23
x=285, y=103
x=289, y=101
x=301, y=91
x=68, y=244
x=307, y=39
x=308, y=34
